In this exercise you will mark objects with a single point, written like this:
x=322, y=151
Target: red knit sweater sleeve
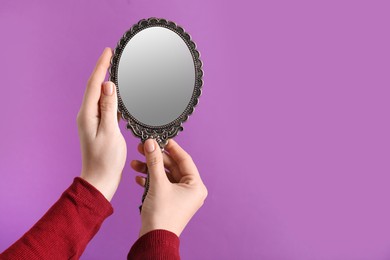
x=156, y=245
x=66, y=228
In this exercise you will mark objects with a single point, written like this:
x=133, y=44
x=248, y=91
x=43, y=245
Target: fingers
x=139, y=166
x=108, y=108
x=93, y=90
x=177, y=153
x=169, y=163
x=178, y=161
x=154, y=161
x=173, y=168
x=183, y=160
x=140, y=180
x=168, y=174
x=141, y=148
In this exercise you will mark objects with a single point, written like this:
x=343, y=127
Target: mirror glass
x=156, y=76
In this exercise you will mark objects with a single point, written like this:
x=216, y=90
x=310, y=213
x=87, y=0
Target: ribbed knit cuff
x=156, y=244
x=66, y=228
x=83, y=191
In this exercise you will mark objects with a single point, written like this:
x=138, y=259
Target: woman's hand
x=103, y=147
x=174, y=194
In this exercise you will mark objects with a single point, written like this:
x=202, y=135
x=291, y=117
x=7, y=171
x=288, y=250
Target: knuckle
x=185, y=159
x=106, y=105
x=202, y=195
x=204, y=192
x=153, y=161
x=80, y=118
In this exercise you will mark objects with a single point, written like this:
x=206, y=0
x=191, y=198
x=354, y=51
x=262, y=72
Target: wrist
x=148, y=228
x=106, y=187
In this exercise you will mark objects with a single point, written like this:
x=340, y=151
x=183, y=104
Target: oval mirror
x=158, y=75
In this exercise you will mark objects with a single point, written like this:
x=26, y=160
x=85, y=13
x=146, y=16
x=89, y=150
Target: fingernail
x=108, y=88
x=149, y=145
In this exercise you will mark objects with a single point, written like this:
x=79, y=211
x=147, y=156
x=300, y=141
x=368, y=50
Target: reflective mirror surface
x=156, y=76
x=158, y=73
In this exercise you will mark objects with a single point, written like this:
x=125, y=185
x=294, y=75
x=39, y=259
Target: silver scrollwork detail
x=143, y=131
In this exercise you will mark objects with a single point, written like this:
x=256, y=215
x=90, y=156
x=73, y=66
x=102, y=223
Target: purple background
x=291, y=135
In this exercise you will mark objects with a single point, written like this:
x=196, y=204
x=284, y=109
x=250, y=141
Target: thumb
x=108, y=107
x=154, y=161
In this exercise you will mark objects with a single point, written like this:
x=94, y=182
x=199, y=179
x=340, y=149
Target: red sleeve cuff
x=90, y=197
x=66, y=228
x=156, y=244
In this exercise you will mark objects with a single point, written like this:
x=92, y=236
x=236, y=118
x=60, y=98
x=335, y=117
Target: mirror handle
x=147, y=181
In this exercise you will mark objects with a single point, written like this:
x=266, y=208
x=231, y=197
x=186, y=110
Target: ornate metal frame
x=139, y=129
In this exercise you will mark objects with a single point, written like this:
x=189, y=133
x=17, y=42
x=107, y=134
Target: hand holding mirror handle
x=158, y=74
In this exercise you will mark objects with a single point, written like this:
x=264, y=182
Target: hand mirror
x=158, y=77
